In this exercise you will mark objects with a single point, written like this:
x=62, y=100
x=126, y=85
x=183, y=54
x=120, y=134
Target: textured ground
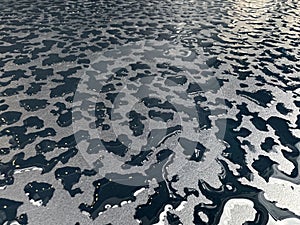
x=150, y=112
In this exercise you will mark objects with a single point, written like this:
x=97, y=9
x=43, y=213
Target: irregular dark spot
x=19, y=136
x=65, y=115
x=135, y=123
x=203, y=119
x=233, y=151
x=107, y=88
x=139, y=66
x=41, y=74
x=8, y=212
x=214, y=62
x=155, y=102
x=39, y=191
x=164, y=116
x=14, y=75
x=138, y=160
x=18, y=163
x=282, y=130
x=268, y=144
x=55, y=58
x=72, y=140
x=4, y=107
x=69, y=86
x=194, y=88
x=263, y=165
x=33, y=121
x=12, y=91
x=260, y=97
x=174, y=81
x=70, y=176
x=9, y=117
x=173, y=219
x=34, y=88
x=257, y=121
x=109, y=192
x=33, y=104
x=119, y=146
x=282, y=109
x=45, y=146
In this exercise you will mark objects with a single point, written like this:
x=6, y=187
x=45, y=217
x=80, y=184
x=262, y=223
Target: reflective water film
x=150, y=112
